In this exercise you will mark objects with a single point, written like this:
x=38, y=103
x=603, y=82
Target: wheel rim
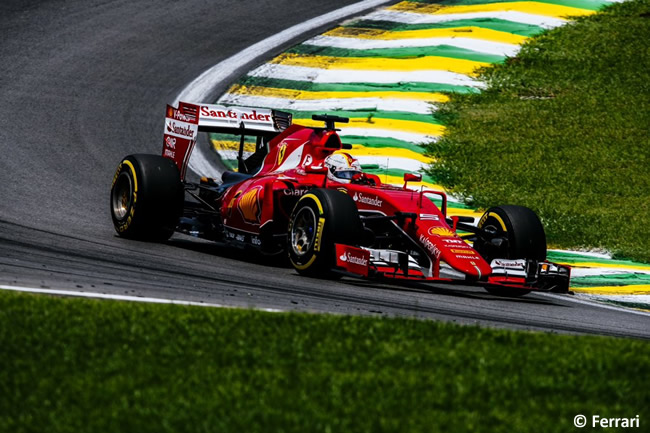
x=494, y=229
x=303, y=231
x=492, y=252
x=122, y=196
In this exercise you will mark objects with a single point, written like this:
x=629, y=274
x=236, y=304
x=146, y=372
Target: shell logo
x=441, y=231
x=282, y=149
x=249, y=206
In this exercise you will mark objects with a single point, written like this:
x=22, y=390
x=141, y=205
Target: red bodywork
x=256, y=210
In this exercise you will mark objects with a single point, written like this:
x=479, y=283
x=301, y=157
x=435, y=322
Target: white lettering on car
x=376, y=201
x=186, y=131
x=349, y=258
x=430, y=246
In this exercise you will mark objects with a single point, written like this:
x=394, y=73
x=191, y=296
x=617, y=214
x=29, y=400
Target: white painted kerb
x=201, y=87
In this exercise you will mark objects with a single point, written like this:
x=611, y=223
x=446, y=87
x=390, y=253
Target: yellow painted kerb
x=388, y=152
x=640, y=289
x=528, y=7
x=471, y=32
x=605, y=265
x=273, y=92
x=390, y=124
x=428, y=63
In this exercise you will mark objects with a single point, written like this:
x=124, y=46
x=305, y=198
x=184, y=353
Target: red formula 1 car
x=294, y=194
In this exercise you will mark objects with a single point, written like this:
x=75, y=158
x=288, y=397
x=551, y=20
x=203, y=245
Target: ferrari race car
x=297, y=193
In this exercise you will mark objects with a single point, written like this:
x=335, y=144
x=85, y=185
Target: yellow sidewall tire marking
x=306, y=265
x=319, y=232
x=496, y=217
x=135, y=178
x=316, y=200
x=124, y=226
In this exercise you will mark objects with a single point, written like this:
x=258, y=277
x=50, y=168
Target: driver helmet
x=341, y=167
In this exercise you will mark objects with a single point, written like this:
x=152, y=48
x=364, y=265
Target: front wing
x=397, y=265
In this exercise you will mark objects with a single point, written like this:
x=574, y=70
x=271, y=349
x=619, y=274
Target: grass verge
x=70, y=365
x=563, y=128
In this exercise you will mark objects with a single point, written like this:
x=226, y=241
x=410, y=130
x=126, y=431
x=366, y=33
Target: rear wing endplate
x=183, y=124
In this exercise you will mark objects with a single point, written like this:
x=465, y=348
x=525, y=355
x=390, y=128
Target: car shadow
x=248, y=254
x=448, y=290
x=253, y=256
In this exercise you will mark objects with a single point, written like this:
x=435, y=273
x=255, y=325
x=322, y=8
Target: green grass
x=70, y=365
x=563, y=128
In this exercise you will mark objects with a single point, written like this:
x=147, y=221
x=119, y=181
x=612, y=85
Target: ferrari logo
x=282, y=149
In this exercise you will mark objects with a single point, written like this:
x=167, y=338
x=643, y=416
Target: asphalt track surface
x=85, y=82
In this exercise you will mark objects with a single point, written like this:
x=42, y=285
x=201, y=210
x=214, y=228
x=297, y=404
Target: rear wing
x=183, y=124
x=252, y=120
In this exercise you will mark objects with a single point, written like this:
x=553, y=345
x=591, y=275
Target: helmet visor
x=346, y=174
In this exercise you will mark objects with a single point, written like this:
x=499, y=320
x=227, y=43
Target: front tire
x=320, y=219
x=146, y=197
x=519, y=228
x=519, y=234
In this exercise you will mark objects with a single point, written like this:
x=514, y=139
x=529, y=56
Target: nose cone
x=444, y=244
x=467, y=261
x=459, y=255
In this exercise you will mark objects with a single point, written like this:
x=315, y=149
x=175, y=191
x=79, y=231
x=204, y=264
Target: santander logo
x=180, y=129
x=376, y=201
x=510, y=264
x=347, y=257
x=231, y=114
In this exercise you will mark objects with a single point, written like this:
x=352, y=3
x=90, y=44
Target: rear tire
x=146, y=197
x=524, y=238
x=320, y=219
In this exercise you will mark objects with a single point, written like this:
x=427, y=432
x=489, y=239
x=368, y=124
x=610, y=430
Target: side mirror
x=316, y=169
x=412, y=177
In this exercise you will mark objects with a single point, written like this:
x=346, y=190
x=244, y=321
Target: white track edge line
x=97, y=295
x=593, y=303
